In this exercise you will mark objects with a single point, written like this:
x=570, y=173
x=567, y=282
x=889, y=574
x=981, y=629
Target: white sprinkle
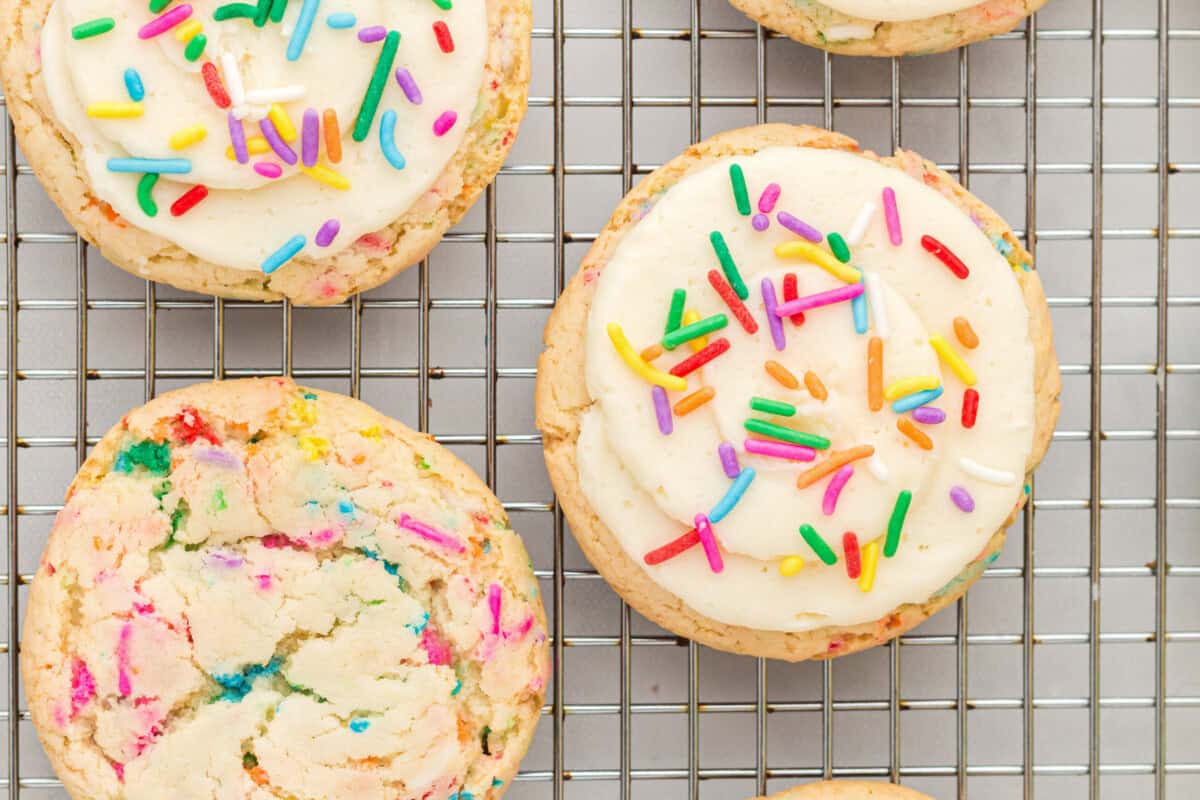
x=233, y=79
x=878, y=468
x=859, y=229
x=279, y=94
x=987, y=474
x=878, y=306
x=241, y=112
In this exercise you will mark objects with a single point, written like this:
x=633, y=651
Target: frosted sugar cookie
x=791, y=396
x=259, y=591
x=889, y=27
x=848, y=790
x=307, y=149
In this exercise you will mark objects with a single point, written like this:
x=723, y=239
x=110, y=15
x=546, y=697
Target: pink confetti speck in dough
x=118, y=768
x=432, y=534
x=522, y=629
x=436, y=648
x=494, y=595
x=144, y=608
x=264, y=581
x=123, y=660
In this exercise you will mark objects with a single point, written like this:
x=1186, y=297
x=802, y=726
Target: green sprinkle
x=740, y=195
x=153, y=456
x=818, y=545
x=841, y=250
x=444, y=5
x=158, y=5
x=145, y=194
x=218, y=500
x=694, y=331
x=896, y=523
x=422, y=463
x=195, y=48
x=249, y=761
x=776, y=407
x=262, y=12
x=727, y=266
x=278, y=9
x=675, y=315
x=94, y=27
x=379, y=79
x=787, y=434
x=232, y=11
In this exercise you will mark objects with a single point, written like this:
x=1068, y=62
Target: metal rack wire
x=742, y=731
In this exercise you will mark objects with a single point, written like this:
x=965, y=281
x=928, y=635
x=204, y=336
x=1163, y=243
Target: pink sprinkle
x=770, y=196
x=839, y=295
x=709, y=542
x=163, y=23
x=144, y=608
x=834, y=489
x=494, y=597
x=268, y=169
x=436, y=648
x=123, y=685
x=892, y=215
x=791, y=452
x=328, y=232
x=520, y=630
x=83, y=686
x=431, y=534
x=372, y=34
x=443, y=124
x=264, y=581
x=278, y=541
x=118, y=768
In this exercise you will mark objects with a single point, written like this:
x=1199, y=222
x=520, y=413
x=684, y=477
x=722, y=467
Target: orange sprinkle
x=965, y=333
x=837, y=459
x=911, y=431
x=333, y=135
x=694, y=400
x=259, y=776
x=814, y=386
x=875, y=373
x=782, y=374
x=652, y=352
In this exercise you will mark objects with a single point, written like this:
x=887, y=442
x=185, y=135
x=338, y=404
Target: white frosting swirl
x=898, y=10
x=647, y=487
x=247, y=216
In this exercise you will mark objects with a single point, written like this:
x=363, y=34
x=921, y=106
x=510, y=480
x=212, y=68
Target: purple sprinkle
x=328, y=232
x=409, y=85
x=662, y=410
x=962, y=498
x=372, y=34
x=760, y=222
x=443, y=124
x=268, y=169
x=769, y=197
x=238, y=136
x=225, y=560
x=729, y=461
x=799, y=227
x=773, y=320
x=310, y=137
x=928, y=415
x=277, y=144
x=215, y=455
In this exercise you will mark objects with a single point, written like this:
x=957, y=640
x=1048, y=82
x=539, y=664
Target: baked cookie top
x=812, y=389
x=898, y=10
x=848, y=790
x=260, y=591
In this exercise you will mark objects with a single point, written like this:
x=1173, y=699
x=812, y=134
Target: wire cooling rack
x=1076, y=671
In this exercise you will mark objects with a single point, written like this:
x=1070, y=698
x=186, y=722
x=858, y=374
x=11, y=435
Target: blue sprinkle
x=169, y=166
x=387, y=140
x=238, y=684
x=917, y=399
x=309, y=396
x=133, y=85
x=304, y=23
x=732, y=496
x=345, y=507
x=341, y=20
x=457, y=688
x=1002, y=246
x=281, y=256
x=369, y=553
x=858, y=308
x=359, y=725
x=497, y=782
x=487, y=545
x=123, y=464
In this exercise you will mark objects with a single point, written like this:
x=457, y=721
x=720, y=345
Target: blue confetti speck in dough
x=238, y=684
x=497, y=782
x=359, y=725
x=345, y=507
x=457, y=688
x=309, y=396
x=418, y=627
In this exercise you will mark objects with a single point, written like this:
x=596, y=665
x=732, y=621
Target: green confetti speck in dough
x=153, y=456
x=218, y=500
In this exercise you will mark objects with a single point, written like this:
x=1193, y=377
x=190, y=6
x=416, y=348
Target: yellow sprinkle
x=186, y=137
x=327, y=176
x=315, y=447
x=870, y=560
x=790, y=566
x=635, y=362
x=952, y=359
x=255, y=145
x=188, y=30
x=906, y=386
x=283, y=123
x=301, y=414
x=373, y=432
x=810, y=252
x=690, y=316
x=114, y=110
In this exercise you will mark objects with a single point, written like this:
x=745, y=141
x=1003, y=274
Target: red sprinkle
x=444, y=39
x=188, y=200
x=732, y=300
x=672, y=549
x=946, y=256
x=970, y=408
x=212, y=82
x=701, y=357
x=189, y=426
x=791, y=291
x=852, y=555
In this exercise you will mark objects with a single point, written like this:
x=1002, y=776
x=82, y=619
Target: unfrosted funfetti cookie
x=307, y=150
x=258, y=591
x=848, y=790
x=790, y=398
x=889, y=27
